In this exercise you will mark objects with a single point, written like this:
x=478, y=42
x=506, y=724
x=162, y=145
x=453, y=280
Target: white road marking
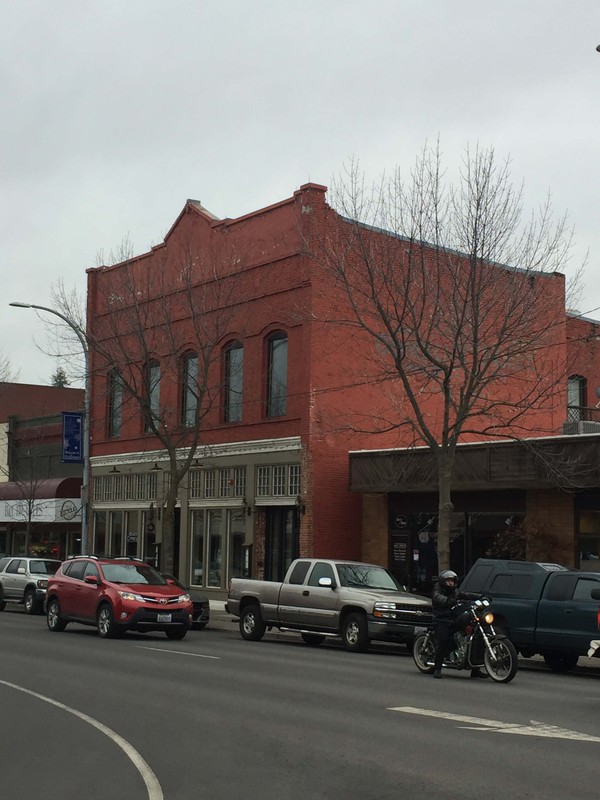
x=179, y=652
x=534, y=729
x=149, y=778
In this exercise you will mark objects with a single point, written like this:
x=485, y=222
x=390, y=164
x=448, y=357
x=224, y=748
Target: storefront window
x=589, y=540
x=197, y=547
x=237, y=535
x=116, y=533
x=99, y=532
x=132, y=534
x=215, y=547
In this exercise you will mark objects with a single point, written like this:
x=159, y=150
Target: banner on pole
x=72, y=438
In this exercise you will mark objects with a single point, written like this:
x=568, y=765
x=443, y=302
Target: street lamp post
x=86, y=418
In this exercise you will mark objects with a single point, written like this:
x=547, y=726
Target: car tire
x=313, y=639
x=561, y=662
x=53, y=618
x=176, y=633
x=30, y=602
x=355, y=634
x=2, y=601
x=105, y=622
x=252, y=627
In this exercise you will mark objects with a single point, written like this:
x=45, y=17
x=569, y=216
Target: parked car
x=201, y=613
x=24, y=580
x=116, y=595
x=322, y=597
x=543, y=608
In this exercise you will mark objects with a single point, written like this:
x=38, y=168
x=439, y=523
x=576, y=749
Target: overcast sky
x=115, y=113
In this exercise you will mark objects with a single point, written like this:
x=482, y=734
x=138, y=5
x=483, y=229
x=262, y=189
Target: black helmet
x=448, y=575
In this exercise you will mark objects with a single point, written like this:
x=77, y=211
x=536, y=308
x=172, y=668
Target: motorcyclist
x=445, y=598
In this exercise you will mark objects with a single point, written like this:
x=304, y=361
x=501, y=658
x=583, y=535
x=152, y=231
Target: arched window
x=233, y=368
x=115, y=403
x=189, y=389
x=152, y=390
x=576, y=398
x=277, y=370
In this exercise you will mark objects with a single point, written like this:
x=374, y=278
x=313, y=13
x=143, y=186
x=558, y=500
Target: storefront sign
x=56, y=509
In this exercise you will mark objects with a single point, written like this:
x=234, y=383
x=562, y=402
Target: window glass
x=583, y=590
x=189, y=389
x=76, y=570
x=509, y=585
x=234, y=378
x=299, y=572
x=320, y=570
x=277, y=376
x=43, y=567
x=478, y=578
x=197, y=547
x=576, y=397
x=115, y=403
x=152, y=394
x=237, y=535
x=215, y=547
x=91, y=569
x=14, y=565
x=116, y=518
x=561, y=587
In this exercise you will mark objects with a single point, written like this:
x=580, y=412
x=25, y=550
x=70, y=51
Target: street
x=215, y=717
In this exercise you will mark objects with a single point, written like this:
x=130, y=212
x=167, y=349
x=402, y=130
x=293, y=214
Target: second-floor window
x=115, y=403
x=152, y=394
x=189, y=389
x=576, y=398
x=277, y=375
x=234, y=378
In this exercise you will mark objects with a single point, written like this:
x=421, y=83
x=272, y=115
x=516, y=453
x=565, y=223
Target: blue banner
x=72, y=438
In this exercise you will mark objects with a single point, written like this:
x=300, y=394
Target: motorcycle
x=476, y=644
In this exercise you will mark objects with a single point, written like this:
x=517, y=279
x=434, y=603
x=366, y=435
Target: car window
x=3, y=562
x=76, y=570
x=367, y=576
x=43, y=567
x=91, y=569
x=583, y=590
x=478, y=577
x=299, y=572
x=510, y=585
x=132, y=573
x=561, y=587
x=320, y=570
x=14, y=565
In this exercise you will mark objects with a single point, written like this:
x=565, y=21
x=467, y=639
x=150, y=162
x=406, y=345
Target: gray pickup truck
x=323, y=598
x=24, y=580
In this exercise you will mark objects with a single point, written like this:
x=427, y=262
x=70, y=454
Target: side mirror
x=21, y=571
x=327, y=583
x=92, y=579
x=595, y=594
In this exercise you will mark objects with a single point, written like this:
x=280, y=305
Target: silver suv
x=25, y=580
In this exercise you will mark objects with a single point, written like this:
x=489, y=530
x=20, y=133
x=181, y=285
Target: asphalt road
x=215, y=717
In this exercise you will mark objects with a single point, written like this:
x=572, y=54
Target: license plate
x=163, y=618
x=419, y=629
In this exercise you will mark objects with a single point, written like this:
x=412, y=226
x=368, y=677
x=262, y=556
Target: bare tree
x=456, y=301
x=7, y=374
x=148, y=313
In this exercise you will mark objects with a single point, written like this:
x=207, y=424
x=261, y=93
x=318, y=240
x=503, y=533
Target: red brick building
x=40, y=497
x=287, y=395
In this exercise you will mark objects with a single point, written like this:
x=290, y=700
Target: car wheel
x=561, y=662
x=176, y=633
x=53, y=618
x=105, y=622
x=355, y=635
x=252, y=627
x=30, y=602
x=313, y=639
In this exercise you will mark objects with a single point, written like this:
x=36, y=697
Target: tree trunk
x=445, y=509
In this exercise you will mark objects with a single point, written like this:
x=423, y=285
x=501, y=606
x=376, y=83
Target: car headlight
x=42, y=584
x=385, y=606
x=183, y=598
x=132, y=596
x=385, y=610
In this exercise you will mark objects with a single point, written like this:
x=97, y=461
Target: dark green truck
x=545, y=609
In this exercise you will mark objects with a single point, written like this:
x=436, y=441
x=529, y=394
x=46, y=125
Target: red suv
x=116, y=595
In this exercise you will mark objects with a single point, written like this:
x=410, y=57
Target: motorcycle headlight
x=132, y=596
x=489, y=618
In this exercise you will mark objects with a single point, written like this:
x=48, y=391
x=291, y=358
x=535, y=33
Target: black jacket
x=444, y=599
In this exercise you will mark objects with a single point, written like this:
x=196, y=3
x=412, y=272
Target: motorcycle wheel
x=424, y=653
x=502, y=663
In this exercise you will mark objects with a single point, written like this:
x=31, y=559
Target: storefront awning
x=51, y=500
